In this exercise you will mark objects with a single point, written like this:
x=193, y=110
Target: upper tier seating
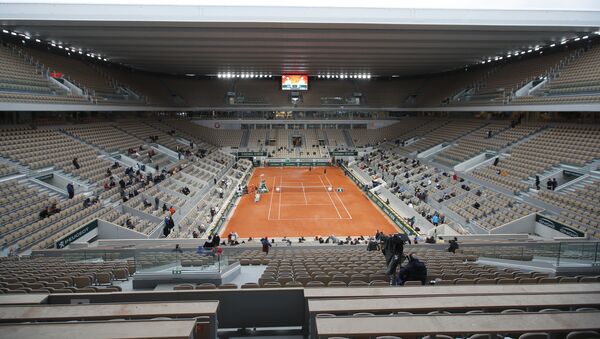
x=22, y=81
x=577, y=82
x=39, y=148
x=445, y=133
x=567, y=144
x=476, y=142
x=223, y=138
x=513, y=75
x=85, y=75
x=401, y=130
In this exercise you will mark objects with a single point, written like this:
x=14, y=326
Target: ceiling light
x=585, y=37
x=496, y=59
x=368, y=76
x=328, y=76
x=5, y=31
x=508, y=56
x=27, y=37
x=105, y=59
x=500, y=58
x=577, y=39
x=270, y=75
x=522, y=53
x=219, y=75
x=59, y=46
x=597, y=33
x=536, y=48
x=552, y=45
x=190, y=74
x=563, y=42
x=80, y=52
x=38, y=40
x=252, y=75
x=13, y=33
x=529, y=51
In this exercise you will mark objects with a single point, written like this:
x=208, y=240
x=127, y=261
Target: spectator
x=156, y=203
x=87, y=203
x=146, y=203
x=216, y=240
x=76, y=163
x=554, y=184
x=453, y=245
x=537, y=182
x=549, y=184
x=45, y=213
x=435, y=220
x=164, y=207
x=265, y=244
x=172, y=210
x=393, y=250
x=71, y=190
x=208, y=243
x=415, y=270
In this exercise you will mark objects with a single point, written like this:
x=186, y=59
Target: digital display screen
x=294, y=82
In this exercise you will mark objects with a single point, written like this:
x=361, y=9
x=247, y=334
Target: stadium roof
x=380, y=38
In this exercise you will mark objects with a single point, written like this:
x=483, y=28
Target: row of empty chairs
x=561, y=144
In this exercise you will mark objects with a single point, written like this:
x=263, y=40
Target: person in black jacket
x=415, y=270
x=453, y=245
x=393, y=250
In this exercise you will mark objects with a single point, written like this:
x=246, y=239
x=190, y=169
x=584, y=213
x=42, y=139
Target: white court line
x=305, y=204
x=271, y=201
x=329, y=195
x=338, y=196
x=304, y=192
x=280, y=184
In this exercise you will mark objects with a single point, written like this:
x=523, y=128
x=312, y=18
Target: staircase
x=348, y=138
x=245, y=138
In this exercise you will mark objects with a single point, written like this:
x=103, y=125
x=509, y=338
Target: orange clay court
x=305, y=207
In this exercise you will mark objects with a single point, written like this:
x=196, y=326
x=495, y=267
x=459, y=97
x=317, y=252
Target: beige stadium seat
x=182, y=287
